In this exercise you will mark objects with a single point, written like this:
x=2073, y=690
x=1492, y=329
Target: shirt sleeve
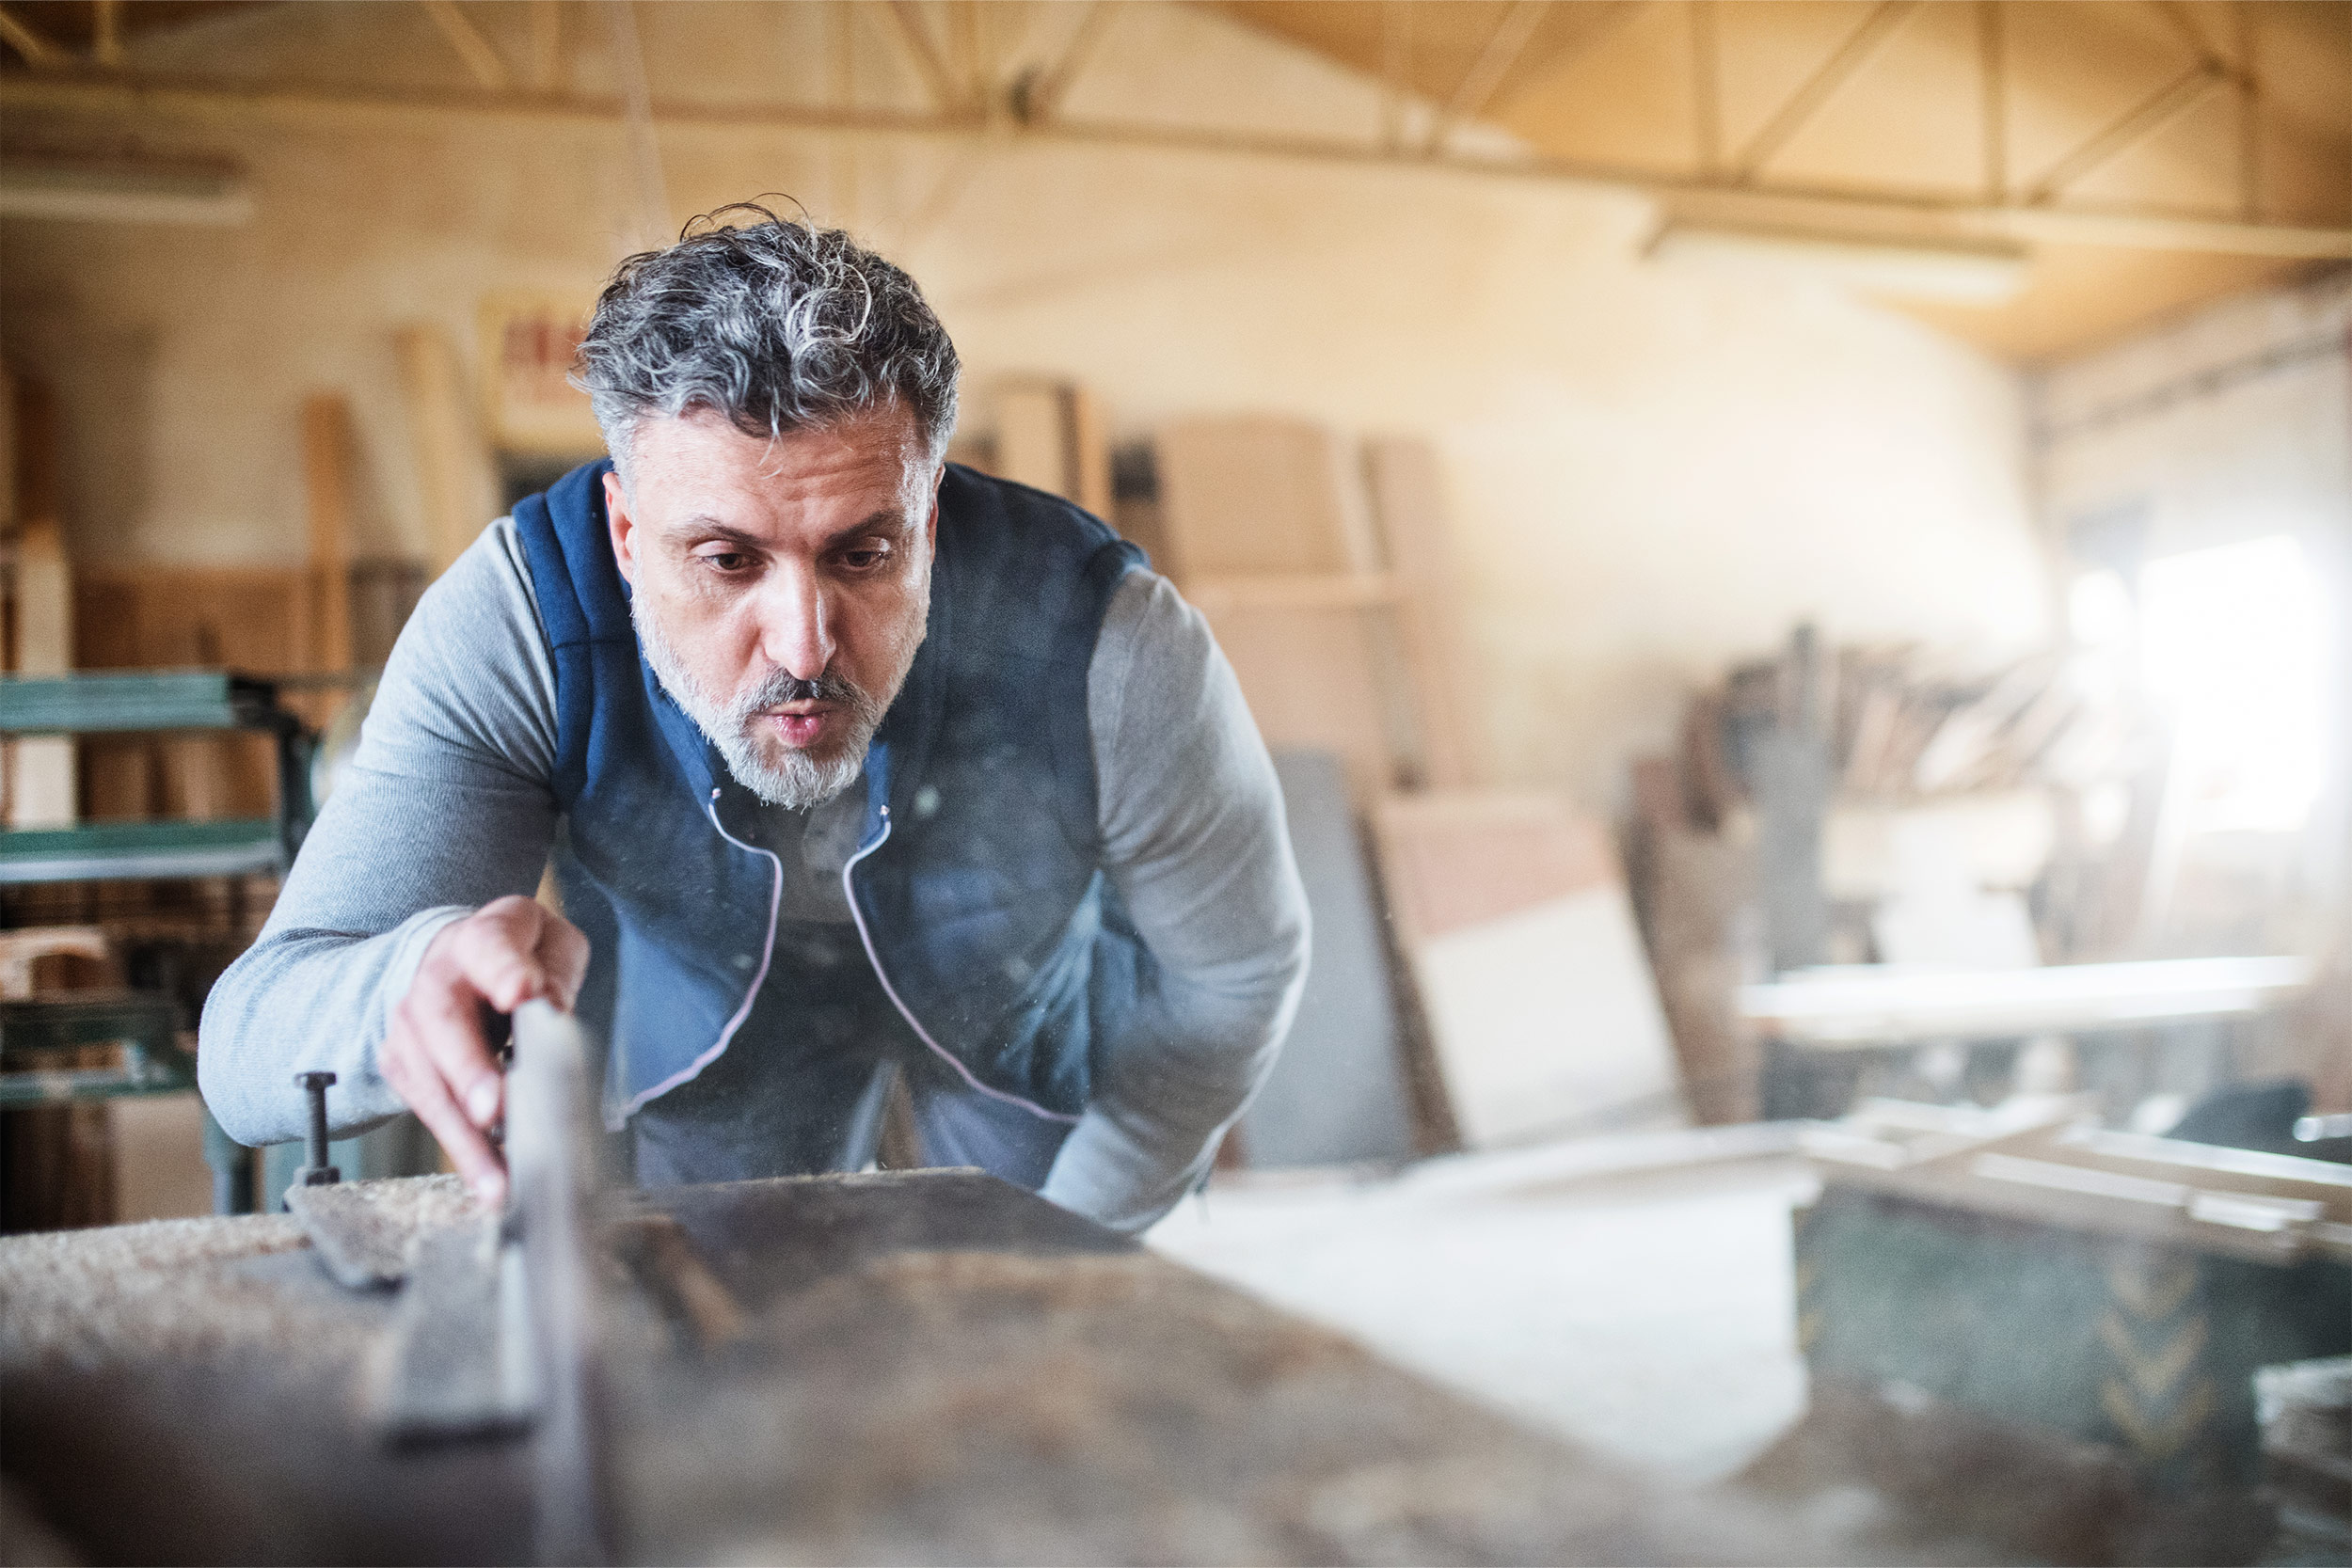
x=445, y=805
x=1195, y=842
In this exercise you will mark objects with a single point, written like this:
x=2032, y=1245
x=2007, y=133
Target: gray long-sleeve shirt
x=447, y=805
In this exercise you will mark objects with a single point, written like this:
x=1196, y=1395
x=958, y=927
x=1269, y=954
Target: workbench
x=935, y=1367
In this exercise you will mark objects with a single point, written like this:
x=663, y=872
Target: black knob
x=318, y=1173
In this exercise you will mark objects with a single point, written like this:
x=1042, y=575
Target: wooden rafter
x=2184, y=27
x=1846, y=58
x=928, y=63
x=547, y=44
x=30, y=41
x=2142, y=225
x=1491, y=69
x=467, y=39
x=1044, y=98
x=2136, y=125
x=1707, y=87
x=1396, y=70
x=1992, y=78
x=106, y=32
x=2248, y=115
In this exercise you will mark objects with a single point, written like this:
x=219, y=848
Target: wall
x=1651, y=471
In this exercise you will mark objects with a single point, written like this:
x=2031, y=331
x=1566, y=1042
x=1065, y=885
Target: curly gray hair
x=778, y=326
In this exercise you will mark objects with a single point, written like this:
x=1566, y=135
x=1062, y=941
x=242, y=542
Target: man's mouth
x=800, y=725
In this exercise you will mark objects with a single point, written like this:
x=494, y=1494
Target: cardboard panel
x=1540, y=1003
x=255, y=618
x=1308, y=677
x=1337, y=1092
x=1247, y=495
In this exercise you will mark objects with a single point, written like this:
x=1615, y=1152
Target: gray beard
x=799, y=780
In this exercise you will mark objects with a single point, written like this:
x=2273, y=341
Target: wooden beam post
x=326, y=491
x=455, y=481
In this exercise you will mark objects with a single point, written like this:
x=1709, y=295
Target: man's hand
x=436, y=1057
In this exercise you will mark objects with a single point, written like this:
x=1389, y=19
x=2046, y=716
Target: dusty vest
x=975, y=886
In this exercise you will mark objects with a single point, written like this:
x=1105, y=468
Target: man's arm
x=445, y=807
x=1196, y=843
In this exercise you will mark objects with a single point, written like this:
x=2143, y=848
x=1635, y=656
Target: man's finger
x=416, y=1081
x=496, y=951
x=445, y=1022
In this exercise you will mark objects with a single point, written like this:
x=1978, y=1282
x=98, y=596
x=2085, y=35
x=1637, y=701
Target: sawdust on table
x=100, y=1299
x=367, y=1231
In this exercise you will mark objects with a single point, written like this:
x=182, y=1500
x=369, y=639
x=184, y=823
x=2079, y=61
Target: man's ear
x=622, y=526
x=930, y=526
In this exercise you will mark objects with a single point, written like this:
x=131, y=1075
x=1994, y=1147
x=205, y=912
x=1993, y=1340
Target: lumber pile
x=1871, y=804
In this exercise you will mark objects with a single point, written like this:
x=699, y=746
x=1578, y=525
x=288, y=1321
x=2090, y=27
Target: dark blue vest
x=976, y=887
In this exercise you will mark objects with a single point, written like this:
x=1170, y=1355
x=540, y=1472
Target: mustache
x=781, y=688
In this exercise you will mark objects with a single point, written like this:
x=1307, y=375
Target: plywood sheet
x=1409, y=506
x=1246, y=494
x=1540, y=1003
x=1337, y=1092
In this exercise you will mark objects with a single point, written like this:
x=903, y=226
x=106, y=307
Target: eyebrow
x=703, y=526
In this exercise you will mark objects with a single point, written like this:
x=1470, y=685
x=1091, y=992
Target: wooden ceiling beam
x=82, y=89
x=106, y=32
x=1491, y=69
x=2136, y=125
x=915, y=34
x=469, y=45
x=30, y=41
x=1042, y=99
x=1846, y=58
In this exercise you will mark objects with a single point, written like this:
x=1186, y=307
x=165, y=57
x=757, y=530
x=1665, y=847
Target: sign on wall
x=527, y=342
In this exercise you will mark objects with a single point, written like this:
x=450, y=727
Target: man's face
x=780, y=587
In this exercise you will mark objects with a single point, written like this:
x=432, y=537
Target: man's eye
x=728, y=562
x=863, y=561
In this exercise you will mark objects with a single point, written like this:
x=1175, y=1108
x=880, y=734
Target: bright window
x=2234, y=643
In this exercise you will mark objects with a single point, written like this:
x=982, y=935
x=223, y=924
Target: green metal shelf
x=143, y=1023
x=151, y=700
x=118, y=851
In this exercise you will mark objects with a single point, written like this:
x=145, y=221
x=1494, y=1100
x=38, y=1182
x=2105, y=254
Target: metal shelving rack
x=34, y=1031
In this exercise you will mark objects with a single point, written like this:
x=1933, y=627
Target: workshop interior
x=1793, y=564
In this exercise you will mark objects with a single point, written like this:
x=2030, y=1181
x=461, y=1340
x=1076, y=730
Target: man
x=850, y=763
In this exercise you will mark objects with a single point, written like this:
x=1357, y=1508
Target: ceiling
x=2208, y=141
x=1892, y=99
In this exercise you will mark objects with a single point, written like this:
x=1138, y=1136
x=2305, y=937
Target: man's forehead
x=875, y=449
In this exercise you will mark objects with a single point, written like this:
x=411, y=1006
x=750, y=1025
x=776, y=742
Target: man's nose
x=796, y=623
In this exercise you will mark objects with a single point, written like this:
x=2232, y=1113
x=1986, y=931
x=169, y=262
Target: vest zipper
x=614, y=1122
x=857, y=917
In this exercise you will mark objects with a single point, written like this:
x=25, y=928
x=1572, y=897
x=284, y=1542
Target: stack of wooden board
x=1325, y=575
